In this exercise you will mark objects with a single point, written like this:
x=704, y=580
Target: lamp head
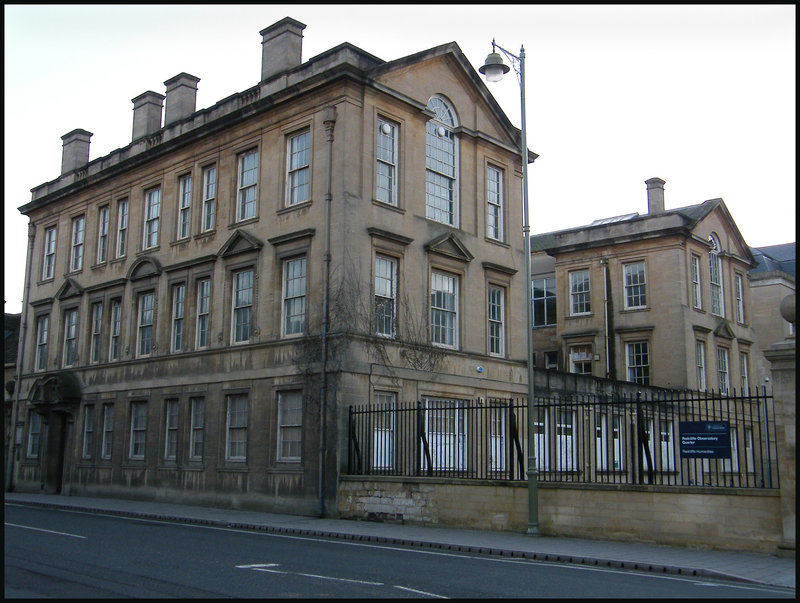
x=494, y=69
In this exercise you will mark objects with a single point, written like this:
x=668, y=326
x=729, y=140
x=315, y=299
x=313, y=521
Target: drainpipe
x=23, y=324
x=604, y=262
x=329, y=120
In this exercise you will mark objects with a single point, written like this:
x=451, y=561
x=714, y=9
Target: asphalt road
x=68, y=554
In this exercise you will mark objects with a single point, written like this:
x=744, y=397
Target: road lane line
x=265, y=567
x=15, y=525
x=421, y=592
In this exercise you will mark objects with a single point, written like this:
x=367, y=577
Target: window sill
x=205, y=234
x=636, y=309
x=389, y=206
x=498, y=242
x=240, y=223
x=297, y=206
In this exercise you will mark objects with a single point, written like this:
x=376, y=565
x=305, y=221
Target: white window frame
x=97, y=330
x=298, y=167
x=138, y=430
x=294, y=302
x=247, y=186
x=122, y=228
x=290, y=426
x=738, y=285
x=637, y=362
x=383, y=431
x=386, y=162
x=108, y=431
x=196, y=434
x=70, y=337
x=76, y=250
x=184, y=207
x=444, y=306
x=697, y=291
x=496, y=316
x=42, y=334
x=88, y=432
x=723, y=370
x=581, y=358
x=744, y=372
x=102, y=234
x=145, y=324
x=49, y=253
x=203, y=313
x=580, y=292
x=439, y=174
x=178, y=314
x=34, y=434
x=447, y=432
x=635, y=285
x=236, y=427
x=385, y=296
x=715, y=277
x=171, y=429
x=209, y=198
x=152, y=217
x=115, y=330
x=543, y=295
x=242, y=298
x=700, y=358
x=494, y=203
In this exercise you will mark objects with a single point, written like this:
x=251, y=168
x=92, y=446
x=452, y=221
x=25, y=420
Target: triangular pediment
x=724, y=330
x=239, y=242
x=143, y=268
x=449, y=245
x=69, y=289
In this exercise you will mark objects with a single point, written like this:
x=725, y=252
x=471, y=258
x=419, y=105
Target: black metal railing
x=576, y=438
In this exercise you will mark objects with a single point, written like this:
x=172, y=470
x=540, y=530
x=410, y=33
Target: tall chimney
x=146, y=114
x=181, y=97
x=75, y=152
x=281, y=47
x=655, y=195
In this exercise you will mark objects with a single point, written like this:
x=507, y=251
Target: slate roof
x=775, y=257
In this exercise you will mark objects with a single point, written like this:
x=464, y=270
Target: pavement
x=754, y=568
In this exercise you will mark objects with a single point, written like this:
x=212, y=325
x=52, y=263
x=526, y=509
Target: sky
x=703, y=97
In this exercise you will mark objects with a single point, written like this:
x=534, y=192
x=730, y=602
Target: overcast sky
x=700, y=96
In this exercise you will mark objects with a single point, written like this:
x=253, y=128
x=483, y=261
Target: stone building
x=771, y=281
x=659, y=299
x=206, y=301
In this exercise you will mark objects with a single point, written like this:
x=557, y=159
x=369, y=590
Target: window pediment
x=143, y=268
x=450, y=246
x=724, y=330
x=69, y=289
x=239, y=242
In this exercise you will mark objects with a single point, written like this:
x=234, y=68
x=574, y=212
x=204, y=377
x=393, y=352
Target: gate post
x=783, y=357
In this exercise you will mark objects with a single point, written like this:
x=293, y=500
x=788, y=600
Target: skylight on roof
x=614, y=219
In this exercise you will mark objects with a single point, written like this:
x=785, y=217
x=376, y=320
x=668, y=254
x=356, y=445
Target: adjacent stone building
x=659, y=299
x=206, y=301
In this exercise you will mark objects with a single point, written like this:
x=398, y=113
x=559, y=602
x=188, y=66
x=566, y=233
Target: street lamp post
x=494, y=69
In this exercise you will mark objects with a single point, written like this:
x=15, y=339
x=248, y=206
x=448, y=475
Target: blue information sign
x=705, y=439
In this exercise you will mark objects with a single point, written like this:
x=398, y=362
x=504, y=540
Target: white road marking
x=14, y=525
x=265, y=567
x=421, y=592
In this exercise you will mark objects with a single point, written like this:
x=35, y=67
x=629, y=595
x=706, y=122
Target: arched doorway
x=57, y=399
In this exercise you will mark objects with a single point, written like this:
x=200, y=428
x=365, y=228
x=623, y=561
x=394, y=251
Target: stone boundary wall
x=719, y=518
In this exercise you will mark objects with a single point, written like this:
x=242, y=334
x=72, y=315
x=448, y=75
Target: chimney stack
x=75, y=152
x=181, y=97
x=281, y=47
x=655, y=195
x=146, y=114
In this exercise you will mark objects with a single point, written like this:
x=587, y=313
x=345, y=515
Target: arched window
x=441, y=173
x=715, y=276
